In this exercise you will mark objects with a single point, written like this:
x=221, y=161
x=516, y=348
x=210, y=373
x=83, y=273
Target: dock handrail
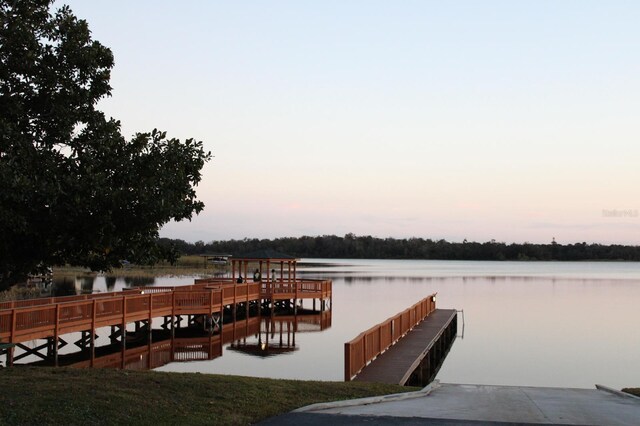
x=30, y=321
x=370, y=343
x=51, y=316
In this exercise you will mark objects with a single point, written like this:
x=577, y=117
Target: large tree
x=72, y=188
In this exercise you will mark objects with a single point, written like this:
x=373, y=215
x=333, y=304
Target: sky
x=508, y=120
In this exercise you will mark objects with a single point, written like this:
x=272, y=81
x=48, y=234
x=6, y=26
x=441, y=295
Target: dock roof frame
x=263, y=257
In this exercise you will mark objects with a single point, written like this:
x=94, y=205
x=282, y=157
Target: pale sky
x=508, y=120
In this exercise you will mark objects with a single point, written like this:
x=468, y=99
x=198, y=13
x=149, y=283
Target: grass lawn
x=41, y=396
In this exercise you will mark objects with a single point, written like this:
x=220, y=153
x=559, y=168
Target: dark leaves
x=72, y=189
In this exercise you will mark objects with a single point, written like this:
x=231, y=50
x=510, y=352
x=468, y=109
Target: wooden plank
x=395, y=365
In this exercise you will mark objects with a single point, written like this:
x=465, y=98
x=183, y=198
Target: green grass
x=45, y=396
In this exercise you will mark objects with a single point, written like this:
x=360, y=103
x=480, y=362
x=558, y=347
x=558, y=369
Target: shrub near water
x=99, y=396
x=632, y=391
x=185, y=265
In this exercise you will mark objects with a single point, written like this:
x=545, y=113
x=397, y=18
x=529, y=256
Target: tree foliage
x=367, y=247
x=72, y=188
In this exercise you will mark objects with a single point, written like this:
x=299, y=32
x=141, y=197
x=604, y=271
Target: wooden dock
x=369, y=344
x=419, y=353
x=205, y=303
x=50, y=318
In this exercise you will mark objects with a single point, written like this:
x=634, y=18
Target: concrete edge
x=370, y=400
x=617, y=392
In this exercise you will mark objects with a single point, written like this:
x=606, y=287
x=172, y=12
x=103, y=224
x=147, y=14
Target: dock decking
x=50, y=318
x=397, y=364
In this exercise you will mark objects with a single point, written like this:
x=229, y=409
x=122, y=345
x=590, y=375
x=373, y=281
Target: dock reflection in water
x=261, y=336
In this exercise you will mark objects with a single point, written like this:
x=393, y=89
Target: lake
x=559, y=324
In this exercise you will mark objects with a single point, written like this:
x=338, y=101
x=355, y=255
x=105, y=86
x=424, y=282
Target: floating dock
x=406, y=349
x=416, y=358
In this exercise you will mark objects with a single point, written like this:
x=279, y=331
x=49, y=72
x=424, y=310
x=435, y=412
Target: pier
x=406, y=349
x=205, y=305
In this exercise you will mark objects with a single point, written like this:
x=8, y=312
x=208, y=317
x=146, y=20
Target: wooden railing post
x=93, y=332
x=364, y=352
x=347, y=362
x=150, y=328
x=123, y=330
x=56, y=335
x=173, y=316
x=235, y=300
x=11, y=338
x=13, y=325
x=247, y=301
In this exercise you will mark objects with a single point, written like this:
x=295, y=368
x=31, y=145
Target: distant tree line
x=367, y=247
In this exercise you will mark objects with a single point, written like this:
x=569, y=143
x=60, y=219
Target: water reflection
x=351, y=279
x=526, y=323
x=86, y=284
x=70, y=286
x=139, y=281
x=276, y=337
x=65, y=286
x=259, y=336
x=93, y=283
x=110, y=283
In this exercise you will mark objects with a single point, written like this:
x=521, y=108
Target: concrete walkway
x=451, y=404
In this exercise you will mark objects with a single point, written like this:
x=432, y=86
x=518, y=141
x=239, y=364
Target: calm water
x=525, y=323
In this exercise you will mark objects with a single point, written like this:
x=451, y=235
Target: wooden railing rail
x=213, y=280
x=369, y=344
x=149, y=289
x=306, y=286
x=303, y=286
x=25, y=323
x=49, y=300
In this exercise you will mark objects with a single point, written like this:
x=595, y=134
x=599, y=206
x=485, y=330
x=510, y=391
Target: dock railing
x=26, y=322
x=369, y=344
x=49, y=300
x=316, y=287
